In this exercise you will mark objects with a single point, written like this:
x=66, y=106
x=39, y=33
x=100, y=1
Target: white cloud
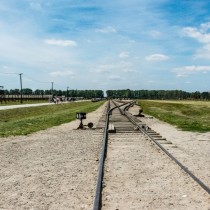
x=60, y=42
x=116, y=66
x=193, y=68
x=205, y=26
x=185, y=71
x=203, y=52
x=129, y=71
x=108, y=29
x=151, y=81
x=157, y=57
x=36, y=6
x=181, y=74
x=154, y=34
x=115, y=77
x=105, y=68
x=6, y=67
x=197, y=33
x=124, y=54
x=102, y=70
x=61, y=73
x=202, y=35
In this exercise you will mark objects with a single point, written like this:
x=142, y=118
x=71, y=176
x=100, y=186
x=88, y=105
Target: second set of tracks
x=126, y=154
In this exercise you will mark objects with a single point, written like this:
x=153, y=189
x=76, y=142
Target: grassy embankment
x=23, y=121
x=186, y=115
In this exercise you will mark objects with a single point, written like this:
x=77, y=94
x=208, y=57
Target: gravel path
x=5, y=107
x=24, y=105
x=51, y=169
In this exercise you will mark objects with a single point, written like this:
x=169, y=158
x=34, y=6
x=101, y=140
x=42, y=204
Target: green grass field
x=23, y=121
x=186, y=115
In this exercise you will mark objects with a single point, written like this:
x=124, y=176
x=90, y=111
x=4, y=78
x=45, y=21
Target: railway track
x=123, y=180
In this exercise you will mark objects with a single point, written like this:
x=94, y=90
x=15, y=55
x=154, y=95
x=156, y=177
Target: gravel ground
x=139, y=176
x=191, y=148
x=51, y=169
x=57, y=169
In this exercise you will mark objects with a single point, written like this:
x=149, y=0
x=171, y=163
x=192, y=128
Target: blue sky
x=94, y=44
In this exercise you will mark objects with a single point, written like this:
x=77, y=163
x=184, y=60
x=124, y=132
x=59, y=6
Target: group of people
x=56, y=99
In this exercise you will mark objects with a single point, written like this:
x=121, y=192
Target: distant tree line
x=67, y=93
x=158, y=94
x=126, y=93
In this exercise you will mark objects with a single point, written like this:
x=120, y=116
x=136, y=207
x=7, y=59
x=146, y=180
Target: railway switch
x=81, y=116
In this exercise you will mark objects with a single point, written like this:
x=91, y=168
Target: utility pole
x=67, y=94
x=52, y=88
x=21, y=89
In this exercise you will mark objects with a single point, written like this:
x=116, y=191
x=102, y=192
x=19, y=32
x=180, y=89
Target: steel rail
x=98, y=194
x=196, y=179
x=118, y=106
x=97, y=200
x=126, y=107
